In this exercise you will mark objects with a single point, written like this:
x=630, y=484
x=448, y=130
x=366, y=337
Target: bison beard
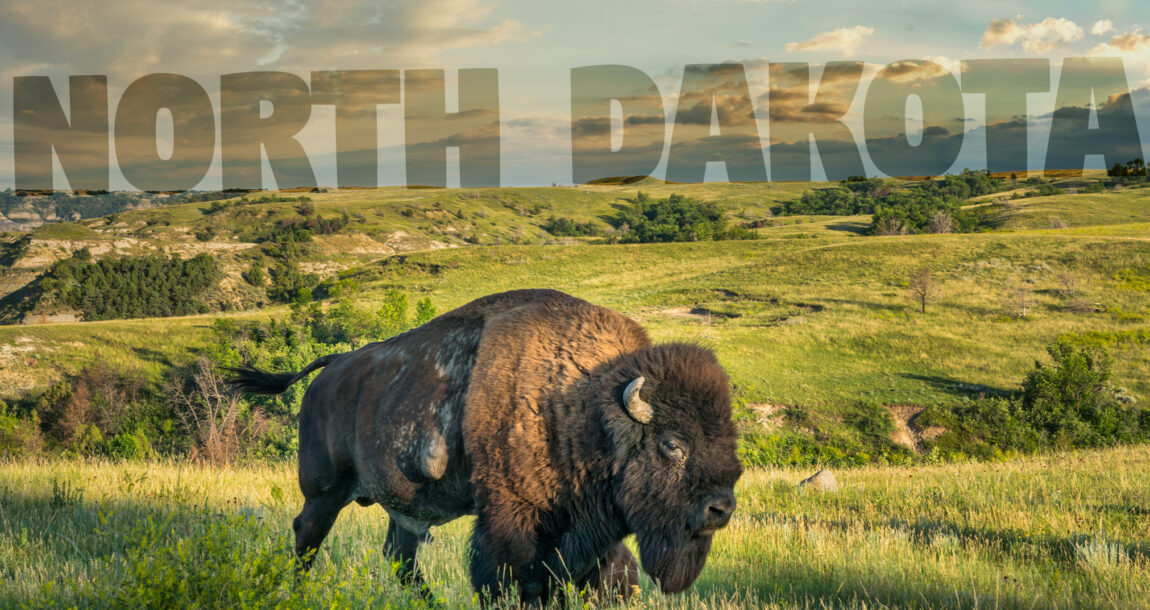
x=558, y=423
x=673, y=562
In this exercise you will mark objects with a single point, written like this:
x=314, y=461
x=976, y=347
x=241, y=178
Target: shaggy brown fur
x=511, y=407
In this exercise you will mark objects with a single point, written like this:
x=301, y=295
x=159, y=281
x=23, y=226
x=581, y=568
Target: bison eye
x=673, y=449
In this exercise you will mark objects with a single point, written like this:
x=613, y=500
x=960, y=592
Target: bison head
x=675, y=456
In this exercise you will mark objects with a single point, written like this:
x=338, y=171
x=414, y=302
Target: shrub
x=1066, y=404
x=1071, y=403
x=560, y=226
x=19, y=436
x=255, y=275
x=219, y=423
x=790, y=449
x=100, y=400
x=288, y=282
x=220, y=561
x=131, y=445
x=424, y=311
x=676, y=218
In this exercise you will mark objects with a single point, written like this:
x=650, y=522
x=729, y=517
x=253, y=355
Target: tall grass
x=1069, y=530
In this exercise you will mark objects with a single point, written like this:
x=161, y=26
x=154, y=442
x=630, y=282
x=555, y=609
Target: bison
x=558, y=423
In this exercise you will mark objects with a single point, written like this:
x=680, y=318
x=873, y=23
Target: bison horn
x=639, y=409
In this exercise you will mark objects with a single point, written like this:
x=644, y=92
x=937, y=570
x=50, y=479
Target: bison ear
x=639, y=409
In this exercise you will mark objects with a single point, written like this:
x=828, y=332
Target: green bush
x=568, y=227
x=1071, y=401
x=19, y=436
x=676, y=218
x=1066, y=404
x=221, y=561
x=792, y=449
x=424, y=311
x=288, y=283
x=908, y=208
x=131, y=445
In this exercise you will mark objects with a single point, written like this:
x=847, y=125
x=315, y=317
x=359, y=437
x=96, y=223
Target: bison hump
x=522, y=410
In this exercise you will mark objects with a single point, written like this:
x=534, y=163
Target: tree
x=219, y=422
x=1069, y=283
x=923, y=289
x=941, y=222
x=887, y=225
x=1018, y=301
x=424, y=311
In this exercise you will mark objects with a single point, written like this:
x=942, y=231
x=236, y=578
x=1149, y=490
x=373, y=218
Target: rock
x=823, y=480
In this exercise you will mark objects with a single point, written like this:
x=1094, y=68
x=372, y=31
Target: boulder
x=823, y=480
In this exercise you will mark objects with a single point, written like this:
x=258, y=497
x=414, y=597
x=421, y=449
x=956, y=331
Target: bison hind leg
x=314, y=522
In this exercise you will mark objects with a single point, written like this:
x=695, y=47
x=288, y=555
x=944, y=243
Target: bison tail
x=251, y=380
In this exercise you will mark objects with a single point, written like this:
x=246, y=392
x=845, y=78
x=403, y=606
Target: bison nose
x=719, y=510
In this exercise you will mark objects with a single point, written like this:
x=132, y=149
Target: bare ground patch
x=907, y=432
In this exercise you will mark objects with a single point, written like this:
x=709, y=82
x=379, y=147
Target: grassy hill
x=814, y=315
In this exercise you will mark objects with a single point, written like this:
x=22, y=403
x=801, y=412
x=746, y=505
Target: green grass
x=1052, y=531
x=1084, y=210
x=805, y=322
x=812, y=314
x=65, y=230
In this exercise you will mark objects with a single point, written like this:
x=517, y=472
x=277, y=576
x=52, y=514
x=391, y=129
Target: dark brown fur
x=511, y=408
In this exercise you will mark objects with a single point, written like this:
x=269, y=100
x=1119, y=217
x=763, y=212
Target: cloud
x=1133, y=47
x=914, y=71
x=844, y=40
x=788, y=98
x=133, y=37
x=1101, y=27
x=735, y=109
x=1130, y=42
x=1042, y=37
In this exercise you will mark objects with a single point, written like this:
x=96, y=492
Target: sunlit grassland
x=815, y=321
x=1069, y=530
x=1081, y=210
x=487, y=215
x=35, y=356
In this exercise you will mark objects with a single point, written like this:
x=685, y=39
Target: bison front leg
x=616, y=575
x=504, y=557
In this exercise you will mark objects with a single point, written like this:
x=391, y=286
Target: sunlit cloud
x=843, y=40
x=1101, y=27
x=1042, y=37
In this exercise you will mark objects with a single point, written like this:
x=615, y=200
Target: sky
x=535, y=45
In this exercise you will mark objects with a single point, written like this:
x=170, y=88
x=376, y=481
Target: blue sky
x=535, y=44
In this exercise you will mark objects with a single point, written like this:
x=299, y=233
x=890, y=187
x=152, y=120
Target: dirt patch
x=51, y=318
x=769, y=416
x=402, y=241
x=676, y=312
x=907, y=431
x=18, y=362
x=354, y=244
x=695, y=313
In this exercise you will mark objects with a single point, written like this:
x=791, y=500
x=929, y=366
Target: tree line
x=130, y=286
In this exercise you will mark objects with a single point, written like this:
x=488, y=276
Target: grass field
x=797, y=321
x=813, y=314
x=1067, y=531
x=812, y=318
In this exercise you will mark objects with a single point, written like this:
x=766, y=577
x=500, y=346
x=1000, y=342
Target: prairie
x=1069, y=530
